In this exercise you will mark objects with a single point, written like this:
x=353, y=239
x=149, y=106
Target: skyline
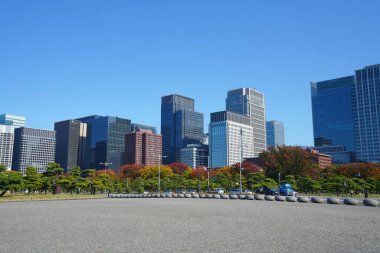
x=57, y=58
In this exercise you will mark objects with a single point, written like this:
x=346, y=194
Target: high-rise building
x=12, y=120
x=135, y=127
x=180, y=125
x=275, y=133
x=250, y=102
x=143, y=147
x=366, y=113
x=195, y=155
x=33, y=147
x=105, y=140
x=230, y=138
x=332, y=118
x=6, y=145
x=189, y=129
x=71, y=137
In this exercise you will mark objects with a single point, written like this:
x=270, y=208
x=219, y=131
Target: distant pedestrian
x=352, y=193
x=366, y=194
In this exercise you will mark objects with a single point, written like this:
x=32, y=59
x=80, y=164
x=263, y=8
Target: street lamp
x=241, y=155
x=159, y=170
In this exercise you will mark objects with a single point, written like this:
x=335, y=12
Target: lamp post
x=208, y=180
x=241, y=154
x=105, y=167
x=159, y=170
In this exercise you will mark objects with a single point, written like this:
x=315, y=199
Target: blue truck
x=285, y=190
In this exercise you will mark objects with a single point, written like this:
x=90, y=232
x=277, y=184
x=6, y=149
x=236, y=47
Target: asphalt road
x=187, y=225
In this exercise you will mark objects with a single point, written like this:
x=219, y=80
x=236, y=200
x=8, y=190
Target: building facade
x=275, y=133
x=230, y=138
x=180, y=125
x=333, y=118
x=71, y=138
x=143, y=147
x=366, y=113
x=195, y=155
x=33, y=147
x=250, y=102
x=105, y=140
x=12, y=120
x=6, y=145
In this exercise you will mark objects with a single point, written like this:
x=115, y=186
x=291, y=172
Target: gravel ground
x=187, y=225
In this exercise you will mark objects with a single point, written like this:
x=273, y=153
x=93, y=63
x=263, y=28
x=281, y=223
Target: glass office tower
x=366, y=113
x=106, y=140
x=250, y=102
x=275, y=133
x=332, y=118
x=71, y=137
x=180, y=125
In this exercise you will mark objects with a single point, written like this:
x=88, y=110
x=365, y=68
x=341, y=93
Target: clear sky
x=67, y=59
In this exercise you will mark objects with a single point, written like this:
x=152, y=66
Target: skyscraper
x=180, y=125
x=275, y=133
x=250, y=102
x=6, y=145
x=333, y=119
x=106, y=140
x=12, y=120
x=366, y=113
x=143, y=147
x=71, y=137
x=33, y=147
x=230, y=138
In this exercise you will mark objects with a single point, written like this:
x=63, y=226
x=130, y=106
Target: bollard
x=333, y=201
x=350, y=202
x=291, y=199
x=317, y=200
x=259, y=197
x=371, y=202
x=233, y=196
x=250, y=197
x=303, y=199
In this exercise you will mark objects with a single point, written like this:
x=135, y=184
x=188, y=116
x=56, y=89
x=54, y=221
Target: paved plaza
x=187, y=225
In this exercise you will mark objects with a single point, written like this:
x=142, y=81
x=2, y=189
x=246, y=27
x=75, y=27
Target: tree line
x=277, y=165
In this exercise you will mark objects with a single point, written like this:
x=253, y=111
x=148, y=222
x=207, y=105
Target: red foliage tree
x=130, y=170
x=178, y=168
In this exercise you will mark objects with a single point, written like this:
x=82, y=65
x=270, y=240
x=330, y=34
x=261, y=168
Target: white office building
x=230, y=139
x=6, y=145
x=251, y=103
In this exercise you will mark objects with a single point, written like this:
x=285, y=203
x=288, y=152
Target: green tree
x=53, y=172
x=2, y=168
x=138, y=185
x=11, y=181
x=32, y=180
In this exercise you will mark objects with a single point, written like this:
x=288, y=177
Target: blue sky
x=67, y=59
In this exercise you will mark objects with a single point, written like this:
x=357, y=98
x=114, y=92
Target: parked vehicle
x=243, y=191
x=218, y=191
x=180, y=191
x=287, y=190
x=268, y=191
